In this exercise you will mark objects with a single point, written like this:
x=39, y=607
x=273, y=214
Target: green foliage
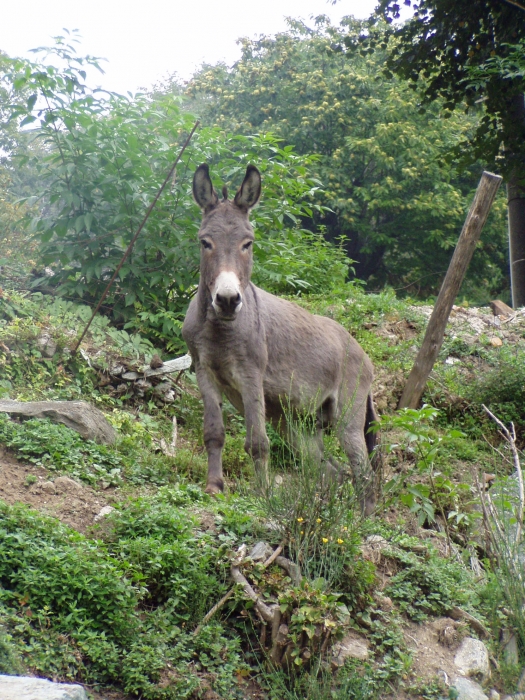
x=501, y=386
x=437, y=490
x=156, y=542
x=104, y=159
x=351, y=683
x=397, y=203
x=465, y=54
x=312, y=612
x=59, y=448
x=10, y=663
x=318, y=518
x=80, y=610
x=430, y=585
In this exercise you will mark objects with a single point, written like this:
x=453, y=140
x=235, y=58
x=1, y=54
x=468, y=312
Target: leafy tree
x=464, y=53
x=100, y=162
x=396, y=202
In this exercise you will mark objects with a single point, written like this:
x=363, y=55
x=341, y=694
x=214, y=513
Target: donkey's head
x=226, y=239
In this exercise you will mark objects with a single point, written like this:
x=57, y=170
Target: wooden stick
x=476, y=217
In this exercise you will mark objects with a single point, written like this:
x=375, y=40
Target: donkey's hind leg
x=351, y=433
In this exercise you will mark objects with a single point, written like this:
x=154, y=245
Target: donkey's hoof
x=214, y=489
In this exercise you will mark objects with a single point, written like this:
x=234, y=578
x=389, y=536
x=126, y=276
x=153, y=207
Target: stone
x=352, y=646
x=469, y=690
x=63, y=484
x=46, y=345
x=499, y=308
x=496, y=342
x=103, y=512
x=472, y=659
x=494, y=695
x=373, y=547
x=26, y=688
x=48, y=487
x=87, y=420
x=261, y=551
x=510, y=651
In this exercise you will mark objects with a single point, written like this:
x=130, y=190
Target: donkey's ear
x=250, y=191
x=203, y=191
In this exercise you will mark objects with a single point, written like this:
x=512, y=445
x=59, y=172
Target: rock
x=87, y=420
x=25, y=688
x=499, y=308
x=384, y=602
x=103, y=512
x=521, y=683
x=261, y=551
x=472, y=659
x=469, y=690
x=48, y=487
x=63, y=484
x=130, y=376
x=510, y=651
x=496, y=342
x=47, y=345
x=351, y=647
x=372, y=548
x=494, y=695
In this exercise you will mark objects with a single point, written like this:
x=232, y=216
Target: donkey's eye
x=247, y=245
x=206, y=244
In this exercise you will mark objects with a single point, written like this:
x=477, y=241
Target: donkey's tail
x=371, y=435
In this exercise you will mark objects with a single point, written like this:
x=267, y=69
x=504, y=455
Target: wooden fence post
x=476, y=217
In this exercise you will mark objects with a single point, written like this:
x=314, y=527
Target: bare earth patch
x=72, y=502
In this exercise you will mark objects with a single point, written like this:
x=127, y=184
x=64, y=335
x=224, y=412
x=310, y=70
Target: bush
x=105, y=158
x=59, y=448
x=502, y=387
x=81, y=610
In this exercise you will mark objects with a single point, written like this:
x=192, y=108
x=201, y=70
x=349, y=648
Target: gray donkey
x=268, y=355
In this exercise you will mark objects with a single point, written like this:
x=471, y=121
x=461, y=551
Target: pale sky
x=145, y=42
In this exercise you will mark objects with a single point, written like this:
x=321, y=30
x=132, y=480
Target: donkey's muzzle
x=227, y=305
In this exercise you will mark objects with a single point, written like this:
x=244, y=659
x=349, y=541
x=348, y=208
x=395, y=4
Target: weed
x=502, y=387
x=431, y=489
x=113, y=612
x=430, y=586
x=353, y=682
x=58, y=448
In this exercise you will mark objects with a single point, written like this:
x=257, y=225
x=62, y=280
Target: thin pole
x=431, y=345
x=132, y=242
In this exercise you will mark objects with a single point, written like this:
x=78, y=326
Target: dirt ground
x=70, y=501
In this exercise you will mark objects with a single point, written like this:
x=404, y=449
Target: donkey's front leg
x=257, y=443
x=213, y=429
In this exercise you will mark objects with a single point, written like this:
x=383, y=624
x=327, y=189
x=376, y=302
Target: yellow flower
x=318, y=520
x=345, y=529
x=325, y=539
x=300, y=520
x=340, y=541
x=302, y=532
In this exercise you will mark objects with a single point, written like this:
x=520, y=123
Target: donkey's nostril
x=228, y=304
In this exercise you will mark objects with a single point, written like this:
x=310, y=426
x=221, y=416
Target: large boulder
x=472, y=659
x=25, y=688
x=87, y=420
x=469, y=690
